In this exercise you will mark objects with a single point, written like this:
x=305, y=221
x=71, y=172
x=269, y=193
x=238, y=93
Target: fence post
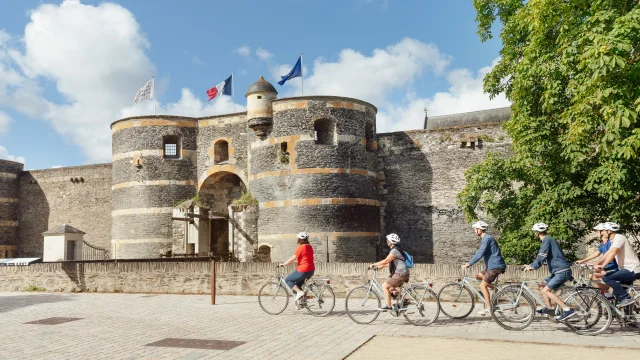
x=213, y=282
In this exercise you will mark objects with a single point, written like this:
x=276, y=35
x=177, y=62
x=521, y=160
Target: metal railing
x=92, y=252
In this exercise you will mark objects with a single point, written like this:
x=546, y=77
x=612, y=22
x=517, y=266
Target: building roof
x=473, y=118
x=63, y=229
x=261, y=85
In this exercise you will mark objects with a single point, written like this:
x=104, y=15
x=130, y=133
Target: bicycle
x=319, y=298
x=454, y=297
x=607, y=309
x=514, y=306
x=418, y=303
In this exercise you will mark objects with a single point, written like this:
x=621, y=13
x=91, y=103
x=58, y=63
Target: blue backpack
x=408, y=259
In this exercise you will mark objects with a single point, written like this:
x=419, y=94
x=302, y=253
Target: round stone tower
x=154, y=169
x=9, y=194
x=259, y=108
x=316, y=171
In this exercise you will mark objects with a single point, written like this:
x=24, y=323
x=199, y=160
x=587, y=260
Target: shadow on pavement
x=9, y=303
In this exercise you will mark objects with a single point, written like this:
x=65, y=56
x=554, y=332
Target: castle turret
x=9, y=189
x=259, y=108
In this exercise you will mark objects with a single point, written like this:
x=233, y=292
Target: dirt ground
x=383, y=347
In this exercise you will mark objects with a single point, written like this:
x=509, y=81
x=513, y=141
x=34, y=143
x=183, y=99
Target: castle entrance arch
x=216, y=193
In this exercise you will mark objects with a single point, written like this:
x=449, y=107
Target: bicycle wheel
x=320, y=300
x=362, y=304
x=273, y=298
x=593, y=313
x=423, y=308
x=512, y=309
x=456, y=301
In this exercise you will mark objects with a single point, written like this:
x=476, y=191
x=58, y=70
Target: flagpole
x=153, y=78
x=301, y=73
x=233, y=93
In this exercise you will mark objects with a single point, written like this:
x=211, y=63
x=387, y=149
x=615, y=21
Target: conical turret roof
x=260, y=86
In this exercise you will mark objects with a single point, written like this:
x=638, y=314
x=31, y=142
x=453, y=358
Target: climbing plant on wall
x=572, y=71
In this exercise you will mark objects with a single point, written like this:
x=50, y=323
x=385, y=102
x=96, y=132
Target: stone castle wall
x=194, y=276
x=9, y=203
x=421, y=172
x=79, y=196
x=328, y=190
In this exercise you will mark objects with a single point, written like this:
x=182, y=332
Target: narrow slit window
x=325, y=132
x=221, y=151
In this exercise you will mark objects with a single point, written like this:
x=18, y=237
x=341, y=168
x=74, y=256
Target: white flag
x=145, y=92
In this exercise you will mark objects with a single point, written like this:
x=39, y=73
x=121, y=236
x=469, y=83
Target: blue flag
x=294, y=73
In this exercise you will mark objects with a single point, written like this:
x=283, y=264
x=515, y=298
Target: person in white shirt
x=628, y=264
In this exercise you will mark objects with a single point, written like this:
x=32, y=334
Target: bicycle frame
x=407, y=292
x=305, y=287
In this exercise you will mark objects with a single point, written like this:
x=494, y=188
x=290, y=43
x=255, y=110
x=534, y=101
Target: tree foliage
x=571, y=68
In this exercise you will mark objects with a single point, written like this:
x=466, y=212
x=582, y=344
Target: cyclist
x=398, y=271
x=493, y=261
x=602, y=249
x=558, y=267
x=305, y=267
x=628, y=263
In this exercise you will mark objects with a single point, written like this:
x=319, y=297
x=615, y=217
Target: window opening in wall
x=284, y=154
x=221, y=151
x=171, y=147
x=259, y=96
x=369, y=136
x=324, y=132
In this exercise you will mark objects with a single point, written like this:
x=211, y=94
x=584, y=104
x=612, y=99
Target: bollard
x=213, y=282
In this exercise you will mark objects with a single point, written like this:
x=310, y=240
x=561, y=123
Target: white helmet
x=599, y=227
x=611, y=226
x=540, y=227
x=393, y=238
x=480, y=225
x=303, y=235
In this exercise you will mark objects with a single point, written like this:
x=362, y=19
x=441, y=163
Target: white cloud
x=244, y=51
x=5, y=122
x=370, y=78
x=465, y=94
x=196, y=60
x=95, y=56
x=4, y=154
x=263, y=54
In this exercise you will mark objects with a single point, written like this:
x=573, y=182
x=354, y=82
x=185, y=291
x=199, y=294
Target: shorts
x=491, y=275
x=554, y=281
x=396, y=280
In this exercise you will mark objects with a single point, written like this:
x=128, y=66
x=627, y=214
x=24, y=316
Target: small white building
x=63, y=243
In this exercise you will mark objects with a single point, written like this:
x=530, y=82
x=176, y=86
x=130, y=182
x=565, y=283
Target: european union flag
x=294, y=73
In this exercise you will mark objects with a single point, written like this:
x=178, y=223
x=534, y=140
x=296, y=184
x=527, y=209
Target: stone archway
x=216, y=193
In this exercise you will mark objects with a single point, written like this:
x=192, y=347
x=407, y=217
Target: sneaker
x=545, y=311
x=626, y=302
x=384, y=308
x=484, y=312
x=299, y=295
x=565, y=315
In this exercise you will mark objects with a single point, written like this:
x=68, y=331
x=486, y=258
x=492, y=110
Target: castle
x=311, y=163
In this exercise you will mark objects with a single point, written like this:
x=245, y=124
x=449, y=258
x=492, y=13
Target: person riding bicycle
x=628, y=263
x=493, y=261
x=611, y=267
x=398, y=271
x=558, y=267
x=305, y=268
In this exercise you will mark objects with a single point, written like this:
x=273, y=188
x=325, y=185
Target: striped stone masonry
x=8, y=200
x=8, y=223
x=126, y=124
x=6, y=175
x=318, y=201
x=142, y=211
x=313, y=171
x=141, y=241
x=189, y=154
x=330, y=235
x=153, y=183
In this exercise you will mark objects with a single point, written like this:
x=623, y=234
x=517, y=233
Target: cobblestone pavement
x=119, y=326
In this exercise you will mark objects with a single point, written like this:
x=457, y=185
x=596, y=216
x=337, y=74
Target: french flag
x=225, y=87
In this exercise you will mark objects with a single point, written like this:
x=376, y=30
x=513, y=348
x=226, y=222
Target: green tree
x=572, y=71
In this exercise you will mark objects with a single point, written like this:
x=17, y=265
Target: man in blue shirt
x=493, y=261
x=602, y=249
x=559, y=268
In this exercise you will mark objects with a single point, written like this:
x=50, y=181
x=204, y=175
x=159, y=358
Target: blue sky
x=69, y=69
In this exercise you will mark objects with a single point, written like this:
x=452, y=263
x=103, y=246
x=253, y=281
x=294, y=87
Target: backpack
x=408, y=259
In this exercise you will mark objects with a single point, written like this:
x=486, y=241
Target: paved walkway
x=119, y=326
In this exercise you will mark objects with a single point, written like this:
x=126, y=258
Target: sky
x=68, y=69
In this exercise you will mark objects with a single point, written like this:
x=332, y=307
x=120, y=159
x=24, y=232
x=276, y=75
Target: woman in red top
x=305, y=268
